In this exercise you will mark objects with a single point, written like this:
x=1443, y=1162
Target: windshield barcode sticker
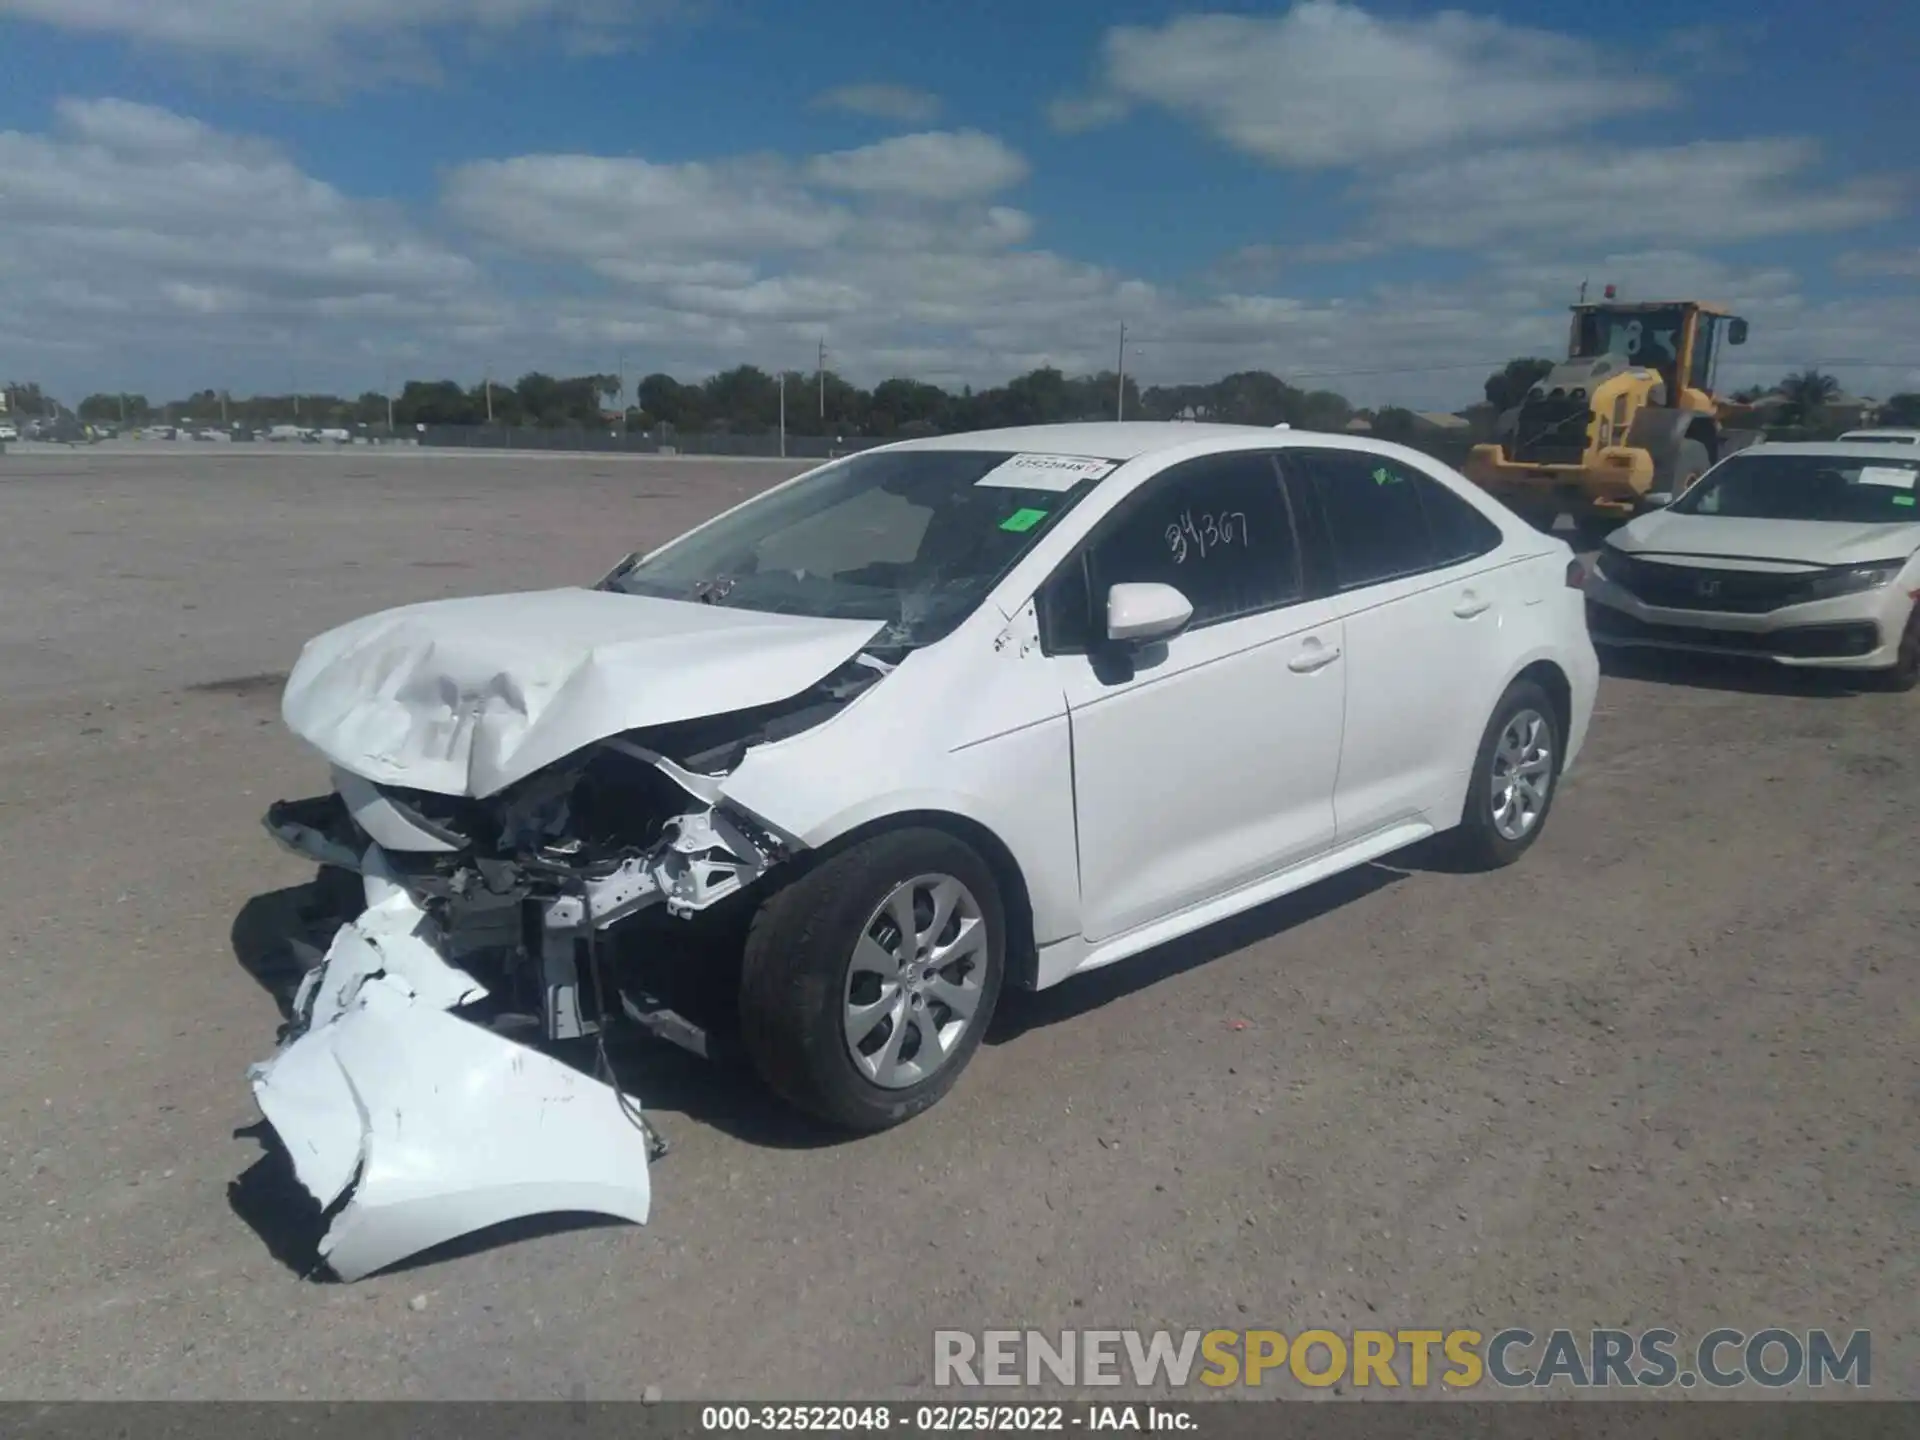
x=1046, y=472
x=1894, y=477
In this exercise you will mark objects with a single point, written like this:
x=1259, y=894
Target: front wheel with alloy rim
x=868, y=982
x=1514, y=776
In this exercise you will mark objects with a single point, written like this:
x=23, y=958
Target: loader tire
x=1689, y=465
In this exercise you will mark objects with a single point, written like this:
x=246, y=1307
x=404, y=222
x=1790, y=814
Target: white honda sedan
x=1803, y=554
x=960, y=713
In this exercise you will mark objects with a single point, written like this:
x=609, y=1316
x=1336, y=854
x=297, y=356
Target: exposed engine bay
x=413, y=1087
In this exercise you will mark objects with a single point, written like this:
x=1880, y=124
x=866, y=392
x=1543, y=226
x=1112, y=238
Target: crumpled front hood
x=467, y=696
x=1810, y=542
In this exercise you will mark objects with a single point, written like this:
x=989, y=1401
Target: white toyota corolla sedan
x=955, y=714
x=1803, y=554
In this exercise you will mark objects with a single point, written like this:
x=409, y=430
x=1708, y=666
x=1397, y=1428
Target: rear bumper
x=1856, y=632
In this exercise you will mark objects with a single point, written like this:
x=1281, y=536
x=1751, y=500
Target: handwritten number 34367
x=1200, y=535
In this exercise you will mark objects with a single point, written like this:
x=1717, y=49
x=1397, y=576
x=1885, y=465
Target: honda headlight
x=1853, y=579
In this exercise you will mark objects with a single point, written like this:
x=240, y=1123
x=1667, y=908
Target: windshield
x=1849, y=489
x=1646, y=337
x=915, y=538
x=1880, y=439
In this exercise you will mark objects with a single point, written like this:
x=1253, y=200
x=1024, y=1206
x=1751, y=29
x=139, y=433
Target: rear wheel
x=1514, y=777
x=867, y=983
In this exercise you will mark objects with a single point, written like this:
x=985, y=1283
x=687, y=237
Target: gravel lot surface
x=1664, y=1072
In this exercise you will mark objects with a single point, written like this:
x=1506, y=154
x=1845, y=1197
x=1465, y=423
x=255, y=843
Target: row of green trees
x=747, y=400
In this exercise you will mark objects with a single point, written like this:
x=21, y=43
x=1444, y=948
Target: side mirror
x=1142, y=614
x=1657, y=499
x=1737, y=333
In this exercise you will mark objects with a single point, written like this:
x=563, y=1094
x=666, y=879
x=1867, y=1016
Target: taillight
x=1576, y=575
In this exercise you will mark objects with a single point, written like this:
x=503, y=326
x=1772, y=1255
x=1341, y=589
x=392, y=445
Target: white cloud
x=348, y=39
x=1073, y=114
x=142, y=249
x=1709, y=192
x=1903, y=264
x=1269, y=260
x=1328, y=84
x=621, y=212
x=882, y=102
x=933, y=165
x=133, y=231
x=130, y=195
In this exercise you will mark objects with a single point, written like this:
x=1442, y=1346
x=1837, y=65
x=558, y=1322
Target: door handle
x=1311, y=660
x=1471, y=605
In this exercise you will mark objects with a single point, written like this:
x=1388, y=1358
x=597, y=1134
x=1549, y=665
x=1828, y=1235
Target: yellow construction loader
x=1627, y=421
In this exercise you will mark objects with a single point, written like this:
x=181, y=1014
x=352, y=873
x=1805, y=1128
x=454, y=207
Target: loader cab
x=1679, y=339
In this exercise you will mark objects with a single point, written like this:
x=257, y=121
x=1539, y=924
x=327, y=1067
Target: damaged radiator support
x=405, y=1110
x=704, y=858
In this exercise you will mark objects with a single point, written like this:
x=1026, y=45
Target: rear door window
x=1385, y=519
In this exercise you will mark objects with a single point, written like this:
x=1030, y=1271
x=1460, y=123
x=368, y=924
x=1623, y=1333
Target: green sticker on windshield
x=1384, y=476
x=1023, y=520
x=1903, y=499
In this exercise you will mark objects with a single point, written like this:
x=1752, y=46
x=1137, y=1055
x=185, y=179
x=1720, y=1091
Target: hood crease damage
x=521, y=783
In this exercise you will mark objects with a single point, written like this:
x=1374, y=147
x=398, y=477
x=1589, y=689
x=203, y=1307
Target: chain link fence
x=660, y=442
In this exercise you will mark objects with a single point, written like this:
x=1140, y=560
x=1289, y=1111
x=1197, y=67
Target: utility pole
x=224, y=424
x=1120, y=396
x=123, y=409
x=489, y=388
x=823, y=384
x=623, y=392
x=783, y=414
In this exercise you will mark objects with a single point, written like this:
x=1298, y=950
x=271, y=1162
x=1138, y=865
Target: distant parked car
x=1889, y=435
x=1803, y=554
x=8, y=431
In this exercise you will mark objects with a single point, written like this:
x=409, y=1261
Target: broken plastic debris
x=431, y=1126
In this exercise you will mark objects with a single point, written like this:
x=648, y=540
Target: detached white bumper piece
x=437, y=1127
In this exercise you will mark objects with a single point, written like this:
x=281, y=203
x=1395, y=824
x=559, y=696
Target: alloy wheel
x=913, y=986
x=1522, y=774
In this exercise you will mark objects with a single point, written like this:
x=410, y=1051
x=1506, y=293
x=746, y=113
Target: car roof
x=1123, y=440
x=1850, y=449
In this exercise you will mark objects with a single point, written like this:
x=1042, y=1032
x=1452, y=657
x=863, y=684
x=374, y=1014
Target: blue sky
x=334, y=194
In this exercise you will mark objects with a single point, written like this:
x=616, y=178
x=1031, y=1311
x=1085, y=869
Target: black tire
x=1689, y=464
x=1904, y=676
x=1592, y=530
x=795, y=968
x=1478, y=843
